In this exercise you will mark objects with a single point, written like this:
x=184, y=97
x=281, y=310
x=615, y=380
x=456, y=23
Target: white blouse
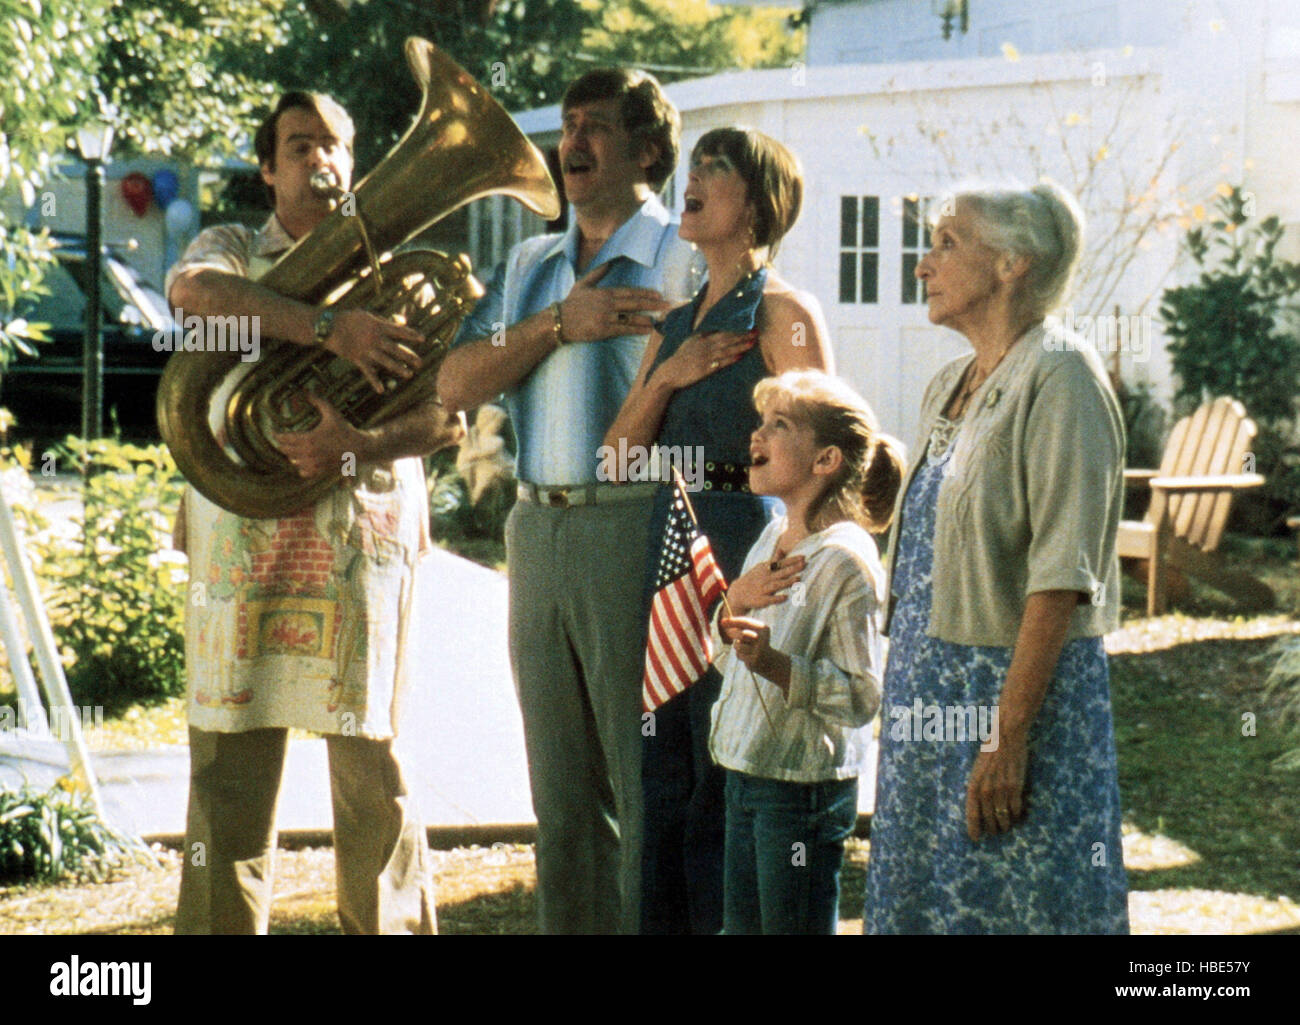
x=830, y=626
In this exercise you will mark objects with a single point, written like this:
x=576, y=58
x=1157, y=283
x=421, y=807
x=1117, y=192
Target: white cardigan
x=1033, y=493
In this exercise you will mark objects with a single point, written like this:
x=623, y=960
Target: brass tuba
x=462, y=146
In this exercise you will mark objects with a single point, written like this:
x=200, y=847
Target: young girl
x=801, y=679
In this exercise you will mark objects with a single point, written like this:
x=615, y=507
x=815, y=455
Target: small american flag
x=687, y=584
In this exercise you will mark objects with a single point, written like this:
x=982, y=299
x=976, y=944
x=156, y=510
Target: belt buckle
x=558, y=498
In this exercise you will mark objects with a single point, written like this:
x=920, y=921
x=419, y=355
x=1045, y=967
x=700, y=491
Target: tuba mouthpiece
x=325, y=185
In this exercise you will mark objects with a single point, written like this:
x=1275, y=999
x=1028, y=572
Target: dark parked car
x=44, y=391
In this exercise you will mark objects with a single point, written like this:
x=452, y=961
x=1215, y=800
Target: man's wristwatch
x=323, y=326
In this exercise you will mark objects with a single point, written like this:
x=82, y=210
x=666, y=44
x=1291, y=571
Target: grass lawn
x=1196, y=742
x=1211, y=830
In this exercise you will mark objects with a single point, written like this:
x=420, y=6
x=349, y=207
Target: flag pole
x=690, y=510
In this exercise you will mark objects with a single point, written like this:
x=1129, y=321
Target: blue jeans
x=785, y=844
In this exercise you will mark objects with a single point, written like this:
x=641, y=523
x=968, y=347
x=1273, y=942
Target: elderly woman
x=694, y=395
x=997, y=807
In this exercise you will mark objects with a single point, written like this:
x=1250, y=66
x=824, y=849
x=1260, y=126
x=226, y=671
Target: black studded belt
x=725, y=477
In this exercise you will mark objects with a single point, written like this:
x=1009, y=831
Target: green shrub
x=1283, y=687
x=115, y=606
x=1144, y=425
x=493, y=507
x=47, y=836
x=1234, y=332
x=452, y=516
x=1144, y=430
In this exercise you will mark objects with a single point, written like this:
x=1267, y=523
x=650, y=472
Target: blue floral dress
x=1059, y=870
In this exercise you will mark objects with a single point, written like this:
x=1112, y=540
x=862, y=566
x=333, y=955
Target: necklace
x=959, y=409
x=744, y=277
x=737, y=287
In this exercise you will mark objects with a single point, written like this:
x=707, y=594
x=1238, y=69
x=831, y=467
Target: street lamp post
x=94, y=141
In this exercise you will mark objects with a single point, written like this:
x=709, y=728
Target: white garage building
x=1144, y=110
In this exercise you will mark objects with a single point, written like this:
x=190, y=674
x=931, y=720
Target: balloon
x=137, y=190
x=180, y=217
x=166, y=187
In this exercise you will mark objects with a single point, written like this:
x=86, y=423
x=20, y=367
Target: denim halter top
x=716, y=412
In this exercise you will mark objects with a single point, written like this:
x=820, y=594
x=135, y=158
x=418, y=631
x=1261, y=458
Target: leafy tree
x=524, y=51
x=356, y=56
x=44, y=87
x=688, y=38
x=179, y=75
x=170, y=75
x=1234, y=331
x=45, y=83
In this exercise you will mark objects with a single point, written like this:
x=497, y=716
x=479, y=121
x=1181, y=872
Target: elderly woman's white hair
x=1044, y=224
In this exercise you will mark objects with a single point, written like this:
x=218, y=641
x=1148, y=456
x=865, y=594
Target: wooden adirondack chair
x=1191, y=495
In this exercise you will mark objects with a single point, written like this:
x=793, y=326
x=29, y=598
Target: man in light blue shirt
x=561, y=331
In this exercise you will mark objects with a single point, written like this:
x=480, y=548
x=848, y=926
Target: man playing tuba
x=302, y=621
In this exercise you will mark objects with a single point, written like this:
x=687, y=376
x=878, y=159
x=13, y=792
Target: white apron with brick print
x=302, y=621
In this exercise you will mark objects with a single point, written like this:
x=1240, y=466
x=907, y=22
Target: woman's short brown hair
x=772, y=176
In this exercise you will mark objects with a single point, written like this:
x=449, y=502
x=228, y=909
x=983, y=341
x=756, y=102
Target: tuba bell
x=461, y=147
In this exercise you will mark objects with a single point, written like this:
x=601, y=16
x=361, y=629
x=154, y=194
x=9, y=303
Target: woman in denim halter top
x=692, y=402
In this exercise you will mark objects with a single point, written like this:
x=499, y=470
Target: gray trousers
x=381, y=858
x=577, y=648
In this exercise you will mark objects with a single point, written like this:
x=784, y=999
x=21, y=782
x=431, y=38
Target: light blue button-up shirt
x=561, y=411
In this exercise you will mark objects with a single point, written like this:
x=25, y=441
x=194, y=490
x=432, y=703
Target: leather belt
x=571, y=495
